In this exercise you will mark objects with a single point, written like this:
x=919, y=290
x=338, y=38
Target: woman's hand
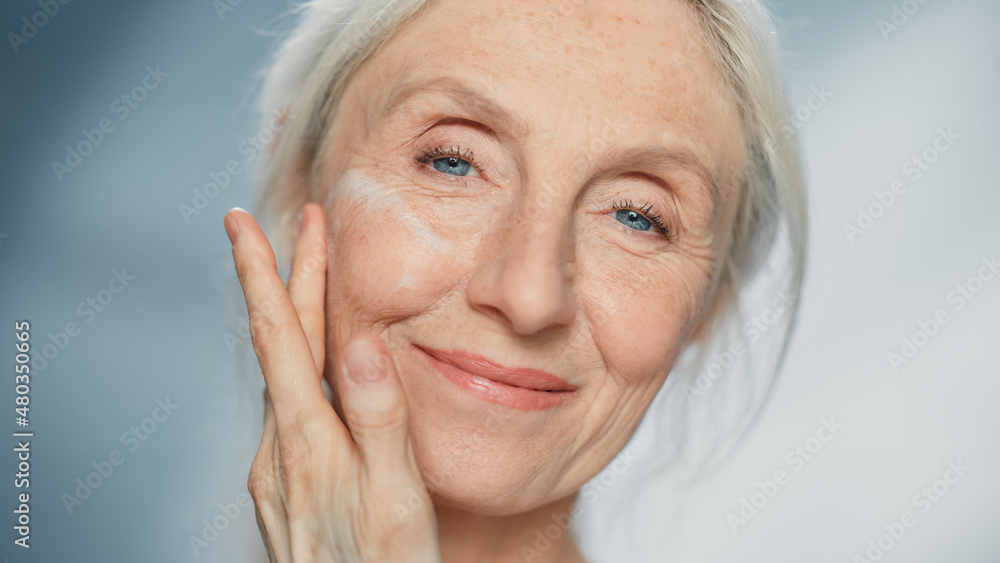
x=326, y=489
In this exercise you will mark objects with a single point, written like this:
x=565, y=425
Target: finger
x=277, y=335
x=375, y=408
x=272, y=519
x=263, y=534
x=307, y=283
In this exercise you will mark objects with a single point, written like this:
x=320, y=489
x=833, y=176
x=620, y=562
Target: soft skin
x=523, y=257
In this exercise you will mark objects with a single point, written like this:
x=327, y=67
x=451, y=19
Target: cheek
x=385, y=262
x=641, y=315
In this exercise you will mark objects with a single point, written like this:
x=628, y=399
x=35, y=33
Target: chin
x=492, y=479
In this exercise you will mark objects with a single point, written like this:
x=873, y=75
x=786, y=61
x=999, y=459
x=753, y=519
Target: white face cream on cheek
x=364, y=191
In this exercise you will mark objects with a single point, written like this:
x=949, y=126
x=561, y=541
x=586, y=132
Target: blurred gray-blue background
x=113, y=237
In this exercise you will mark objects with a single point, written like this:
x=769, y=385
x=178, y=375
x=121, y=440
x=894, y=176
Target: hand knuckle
x=380, y=420
x=266, y=329
x=260, y=483
x=260, y=324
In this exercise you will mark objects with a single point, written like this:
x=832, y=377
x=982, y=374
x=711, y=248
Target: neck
x=521, y=538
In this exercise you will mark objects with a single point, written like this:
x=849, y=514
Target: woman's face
x=548, y=187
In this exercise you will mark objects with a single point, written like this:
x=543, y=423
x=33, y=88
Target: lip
x=525, y=389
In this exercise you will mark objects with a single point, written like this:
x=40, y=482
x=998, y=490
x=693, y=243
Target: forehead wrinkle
x=462, y=94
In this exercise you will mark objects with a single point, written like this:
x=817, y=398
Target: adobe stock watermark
x=372, y=26
x=132, y=439
x=223, y=7
x=958, y=297
x=900, y=16
x=924, y=500
x=795, y=460
x=591, y=491
x=245, y=326
x=238, y=336
x=87, y=310
x=914, y=169
x=818, y=97
x=31, y=25
x=212, y=529
x=752, y=330
x=122, y=106
x=249, y=149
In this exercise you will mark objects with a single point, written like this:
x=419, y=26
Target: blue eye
x=452, y=165
x=639, y=218
x=454, y=161
x=633, y=219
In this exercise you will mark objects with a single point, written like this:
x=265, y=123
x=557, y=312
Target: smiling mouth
x=525, y=389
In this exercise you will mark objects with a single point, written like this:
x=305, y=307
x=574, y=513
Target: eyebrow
x=471, y=100
x=466, y=97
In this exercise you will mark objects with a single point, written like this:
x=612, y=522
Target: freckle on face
x=366, y=192
x=398, y=270
x=385, y=258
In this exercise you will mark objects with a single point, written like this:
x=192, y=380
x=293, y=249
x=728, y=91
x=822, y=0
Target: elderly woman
x=513, y=219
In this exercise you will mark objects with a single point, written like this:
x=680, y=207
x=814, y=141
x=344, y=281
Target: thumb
x=375, y=407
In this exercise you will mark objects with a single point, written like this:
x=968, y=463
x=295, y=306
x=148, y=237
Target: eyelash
x=467, y=155
x=451, y=152
x=646, y=211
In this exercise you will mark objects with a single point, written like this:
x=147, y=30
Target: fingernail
x=232, y=228
x=365, y=362
x=302, y=222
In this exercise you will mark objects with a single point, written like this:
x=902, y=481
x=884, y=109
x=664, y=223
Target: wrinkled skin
x=515, y=249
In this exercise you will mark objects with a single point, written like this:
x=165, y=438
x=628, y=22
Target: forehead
x=565, y=70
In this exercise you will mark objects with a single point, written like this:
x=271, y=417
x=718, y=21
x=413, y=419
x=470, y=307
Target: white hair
x=697, y=414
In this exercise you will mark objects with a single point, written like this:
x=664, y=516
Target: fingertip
x=374, y=404
x=364, y=361
x=306, y=217
x=320, y=211
x=302, y=220
x=232, y=225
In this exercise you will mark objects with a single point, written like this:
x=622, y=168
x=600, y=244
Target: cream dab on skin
x=362, y=188
x=355, y=184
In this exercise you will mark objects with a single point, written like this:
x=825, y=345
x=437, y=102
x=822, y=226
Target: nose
x=525, y=275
